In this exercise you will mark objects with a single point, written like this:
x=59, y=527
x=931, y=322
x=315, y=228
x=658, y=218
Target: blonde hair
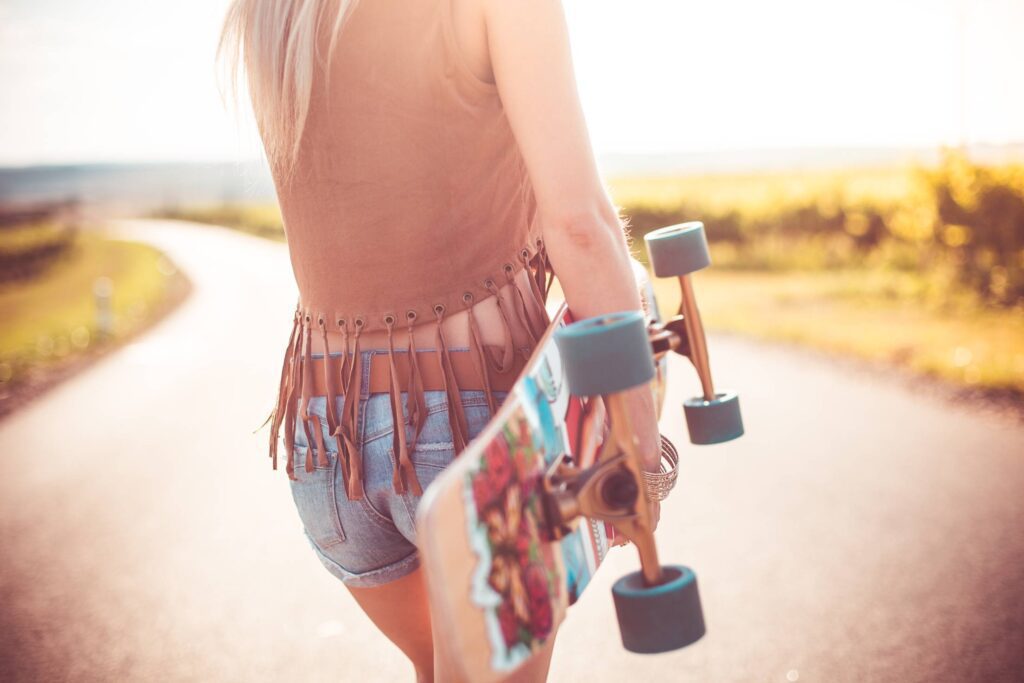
x=276, y=40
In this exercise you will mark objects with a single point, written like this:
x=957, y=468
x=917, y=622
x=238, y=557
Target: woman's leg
x=446, y=667
x=400, y=610
x=536, y=671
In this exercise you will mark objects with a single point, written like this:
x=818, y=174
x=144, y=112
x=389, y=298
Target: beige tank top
x=410, y=201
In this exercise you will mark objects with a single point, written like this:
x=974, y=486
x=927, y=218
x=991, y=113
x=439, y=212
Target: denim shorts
x=372, y=541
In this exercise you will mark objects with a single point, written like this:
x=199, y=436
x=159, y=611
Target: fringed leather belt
x=463, y=365
x=414, y=371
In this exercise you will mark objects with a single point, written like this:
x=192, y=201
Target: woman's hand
x=643, y=417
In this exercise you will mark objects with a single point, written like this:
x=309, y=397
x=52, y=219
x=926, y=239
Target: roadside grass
x=262, y=220
x=755, y=194
x=50, y=321
x=883, y=318
x=876, y=316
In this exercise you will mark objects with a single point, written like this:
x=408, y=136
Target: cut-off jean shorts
x=372, y=541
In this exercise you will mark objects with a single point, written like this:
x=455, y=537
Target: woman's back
x=409, y=189
x=409, y=203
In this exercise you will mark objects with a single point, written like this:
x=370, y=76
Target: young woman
x=432, y=164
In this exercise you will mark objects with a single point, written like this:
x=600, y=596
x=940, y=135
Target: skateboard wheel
x=678, y=249
x=606, y=354
x=659, y=618
x=714, y=421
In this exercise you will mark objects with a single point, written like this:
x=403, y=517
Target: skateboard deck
x=497, y=579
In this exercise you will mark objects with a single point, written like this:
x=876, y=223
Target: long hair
x=276, y=41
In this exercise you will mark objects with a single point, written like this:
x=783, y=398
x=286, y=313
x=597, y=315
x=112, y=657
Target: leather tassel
x=536, y=292
x=339, y=437
x=348, y=419
x=304, y=395
x=519, y=304
x=403, y=471
x=456, y=413
x=478, y=351
x=290, y=413
x=415, y=398
x=507, y=354
x=283, y=388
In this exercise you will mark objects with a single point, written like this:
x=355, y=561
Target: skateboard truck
x=659, y=606
x=678, y=251
x=607, y=491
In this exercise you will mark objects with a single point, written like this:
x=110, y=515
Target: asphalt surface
x=861, y=531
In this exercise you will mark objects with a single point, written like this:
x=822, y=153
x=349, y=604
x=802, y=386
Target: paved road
x=860, y=532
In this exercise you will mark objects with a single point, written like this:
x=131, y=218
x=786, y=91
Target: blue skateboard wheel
x=659, y=618
x=678, y=249
x=714, y=421
x=606, y=354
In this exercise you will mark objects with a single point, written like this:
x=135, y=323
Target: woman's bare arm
x=532, y=63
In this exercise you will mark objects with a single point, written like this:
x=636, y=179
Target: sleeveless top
x=410, y=200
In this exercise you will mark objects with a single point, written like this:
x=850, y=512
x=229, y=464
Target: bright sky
x=133, y=80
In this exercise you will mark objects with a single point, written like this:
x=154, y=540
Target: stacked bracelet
x=659, y=484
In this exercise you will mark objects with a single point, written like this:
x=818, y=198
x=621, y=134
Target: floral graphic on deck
x=518, y=572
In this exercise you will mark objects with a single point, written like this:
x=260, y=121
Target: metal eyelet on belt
x=360, y=322
x=525, y=253
x=489, y=283
x=509, y=268
x=410, y=315
x=467, y=297
x=389, y=319
x=439, y=309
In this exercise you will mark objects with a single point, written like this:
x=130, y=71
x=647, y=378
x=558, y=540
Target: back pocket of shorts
x=314, y=496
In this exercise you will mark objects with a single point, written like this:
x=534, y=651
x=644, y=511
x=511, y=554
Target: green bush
x=258, y=219
x=959, y=217
x=980, y=221
x=33, y=239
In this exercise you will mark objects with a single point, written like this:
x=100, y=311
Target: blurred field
x=48, y=298
x=862, y=314
x=757, y=194
x=262, y=220
x=921, y=267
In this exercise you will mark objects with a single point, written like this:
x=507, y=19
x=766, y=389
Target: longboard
x=497, y=579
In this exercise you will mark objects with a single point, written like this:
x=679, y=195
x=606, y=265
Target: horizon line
x=937, y=147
